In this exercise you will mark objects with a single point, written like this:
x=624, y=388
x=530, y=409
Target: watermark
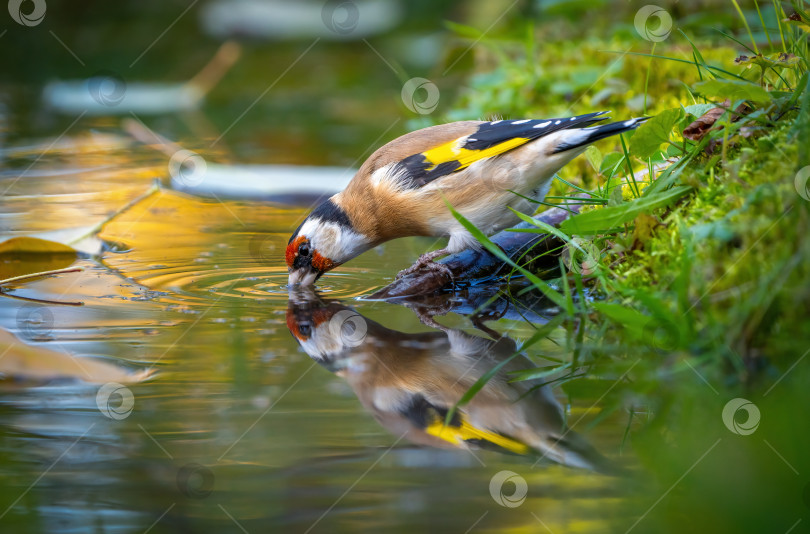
x=661, y=334
x=340, y=16
x=653, y=23
x=802, y=182
x=115, y=401
x=502, y=174
x=107, y=88
x=420, y=95
x=262, y=248
x=508, y=500
x=34, y=322
x=348, y=326
x=187, y=168
x=32, y=18
x=195, y=481
x=732, y=411
x=581, y=256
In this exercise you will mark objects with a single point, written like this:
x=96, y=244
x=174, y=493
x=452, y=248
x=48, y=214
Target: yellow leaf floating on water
x=53, y=250
x=64, y=241
x=34, y=245
x=25, y=255
x=26, y=362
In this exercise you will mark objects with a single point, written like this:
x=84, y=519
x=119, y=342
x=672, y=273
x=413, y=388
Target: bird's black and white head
x=327, y=238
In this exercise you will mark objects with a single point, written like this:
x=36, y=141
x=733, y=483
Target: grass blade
x=718, y=69
x=481, y=382
x=747, y=27
x=764, y=27
x=496, y=251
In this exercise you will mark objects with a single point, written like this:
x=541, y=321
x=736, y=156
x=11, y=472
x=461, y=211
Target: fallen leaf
x=796, y=20
x=705, y=123
x=21, y=361
x=34, y=245
x=24, y=255
x=48, y=251
x=56, y=249
x=66, y=241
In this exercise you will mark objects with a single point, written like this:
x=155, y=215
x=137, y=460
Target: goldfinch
x=409, y=382
x=404, y=187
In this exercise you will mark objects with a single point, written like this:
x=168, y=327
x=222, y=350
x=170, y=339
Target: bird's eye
x=303, y=250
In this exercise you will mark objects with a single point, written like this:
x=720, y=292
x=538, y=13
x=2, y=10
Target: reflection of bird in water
x=409, y=382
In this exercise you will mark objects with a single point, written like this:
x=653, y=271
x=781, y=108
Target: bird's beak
x=303, y=276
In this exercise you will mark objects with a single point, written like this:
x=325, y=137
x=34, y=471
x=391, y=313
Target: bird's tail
x=581, y=137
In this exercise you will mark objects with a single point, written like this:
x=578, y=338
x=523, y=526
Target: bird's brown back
x=387, y=213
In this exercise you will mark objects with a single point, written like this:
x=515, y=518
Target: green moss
x=726, y=265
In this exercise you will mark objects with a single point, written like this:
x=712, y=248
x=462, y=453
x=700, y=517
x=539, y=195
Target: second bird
x=480, y=168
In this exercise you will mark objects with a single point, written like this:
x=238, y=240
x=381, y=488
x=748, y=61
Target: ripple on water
x=195, y=283
x=197, y=250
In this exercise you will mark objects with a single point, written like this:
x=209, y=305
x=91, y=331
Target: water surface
x=261, y=415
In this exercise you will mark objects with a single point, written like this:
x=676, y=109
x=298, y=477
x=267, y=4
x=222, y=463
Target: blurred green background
x=308, y=91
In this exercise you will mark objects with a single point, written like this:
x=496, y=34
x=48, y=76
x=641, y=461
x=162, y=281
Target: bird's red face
x=304, y=263
x=325, y=240
x=306, y=313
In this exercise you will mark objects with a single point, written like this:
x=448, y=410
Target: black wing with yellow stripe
x=431, y=419
x=491, y=139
